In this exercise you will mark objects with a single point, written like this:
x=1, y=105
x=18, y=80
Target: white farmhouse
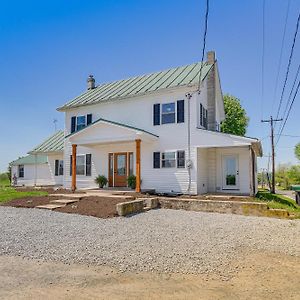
x=161, y=129
x=43, y=166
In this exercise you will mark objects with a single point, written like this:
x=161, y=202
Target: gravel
x=160, y=240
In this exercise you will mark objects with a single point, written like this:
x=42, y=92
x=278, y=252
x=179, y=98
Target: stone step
x=74, y=196
x=64, y=201
x=50, y=206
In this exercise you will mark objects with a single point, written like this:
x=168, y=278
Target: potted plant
x=131, y=181
x=101, y=180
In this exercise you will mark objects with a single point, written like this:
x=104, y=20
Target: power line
x=263, y=58
x=290, y=95
x=204, y=42
x=288, y=66
x=289, y=111
x=281, y=51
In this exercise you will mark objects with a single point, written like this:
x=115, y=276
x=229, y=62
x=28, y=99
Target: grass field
x=278, y=201
x=8, y=193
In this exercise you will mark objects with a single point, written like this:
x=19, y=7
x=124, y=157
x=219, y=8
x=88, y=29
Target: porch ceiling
x=104, y=131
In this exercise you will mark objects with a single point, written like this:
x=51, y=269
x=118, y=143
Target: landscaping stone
x=64, y=201
x=150, y=202
x=50, y=206
x=131, y=207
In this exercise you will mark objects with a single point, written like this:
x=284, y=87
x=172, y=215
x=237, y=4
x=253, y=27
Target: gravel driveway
x=160, y=240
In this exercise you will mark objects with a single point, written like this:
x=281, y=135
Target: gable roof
x=113, y=123
x=176, y=77
x=30, y=160
x=55, y=143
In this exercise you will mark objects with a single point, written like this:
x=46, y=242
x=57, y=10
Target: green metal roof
x=55, y=143
x=30, y=160
x=114, y=123
x=176, y=77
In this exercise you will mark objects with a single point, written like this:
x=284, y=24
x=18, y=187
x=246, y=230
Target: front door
x=230, y=172
x=120, y=169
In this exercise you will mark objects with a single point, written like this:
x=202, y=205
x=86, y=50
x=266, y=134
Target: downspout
x=189, y=161
x=35, y=169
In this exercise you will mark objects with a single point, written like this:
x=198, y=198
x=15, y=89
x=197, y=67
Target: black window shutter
x=180, y=111
x=180, y=159
x=156, y=114
x=70, y=165
x=88, y=119
x=88, y=164
x=56, y=167
x=73, y=124
x=156, y=160
x=201, y=115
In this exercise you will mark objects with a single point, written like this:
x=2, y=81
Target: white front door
x=230, y=172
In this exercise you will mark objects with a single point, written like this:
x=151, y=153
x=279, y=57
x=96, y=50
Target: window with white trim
x=21, y=171
x=80, y=164
x=168, y=160
x=80, y=122
x=168, y=113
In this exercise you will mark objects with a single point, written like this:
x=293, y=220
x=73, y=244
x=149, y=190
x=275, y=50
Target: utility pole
x=271, y=121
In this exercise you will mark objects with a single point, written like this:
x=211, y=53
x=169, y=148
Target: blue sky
x=48, y=48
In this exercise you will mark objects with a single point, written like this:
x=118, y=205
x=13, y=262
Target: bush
x=101, y=180
x=4, y=177
x=131, y=181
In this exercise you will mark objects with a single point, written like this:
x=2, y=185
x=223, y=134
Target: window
x=59, y=167
x=203, y=116
x=168, y=160
x=21, y=171
x=80, y=122
x=80, y=164
x=83, y=165
x=180, y=159
x=168, y=113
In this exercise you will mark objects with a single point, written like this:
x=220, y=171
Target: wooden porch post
x=74, y=152
x=138, y=165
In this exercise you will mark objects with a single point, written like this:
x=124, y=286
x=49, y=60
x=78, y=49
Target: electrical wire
x=288, y=66
x=289, y=111
x=204, y=42
x=281, y=51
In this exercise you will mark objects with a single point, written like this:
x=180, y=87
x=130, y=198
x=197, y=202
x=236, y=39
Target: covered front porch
x=110, y=149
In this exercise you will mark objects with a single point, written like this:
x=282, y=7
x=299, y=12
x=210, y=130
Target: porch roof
x=215, y=139
x=111, y=132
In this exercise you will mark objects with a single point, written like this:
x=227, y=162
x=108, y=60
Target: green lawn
x=278, y=201
x=9, y=193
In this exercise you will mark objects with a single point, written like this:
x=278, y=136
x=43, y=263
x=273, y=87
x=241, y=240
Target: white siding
x=202, y=170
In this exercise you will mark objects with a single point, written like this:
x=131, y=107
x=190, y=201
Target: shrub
x=131, y=181
x=101, y=180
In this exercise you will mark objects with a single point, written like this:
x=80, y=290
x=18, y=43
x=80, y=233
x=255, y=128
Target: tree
x=236, y=120
x=297, y=151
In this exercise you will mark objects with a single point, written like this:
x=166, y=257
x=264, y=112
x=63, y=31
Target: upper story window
x=21, y=171
x=79, y=122
x=168, y=113
x=203, y=116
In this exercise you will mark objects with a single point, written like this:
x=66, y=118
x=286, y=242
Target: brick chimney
x=90, y=82
x=211, y=57
x=211, y=92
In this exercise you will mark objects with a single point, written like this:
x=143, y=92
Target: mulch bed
x=49, y=190
x=100, y=207
x=30, y=202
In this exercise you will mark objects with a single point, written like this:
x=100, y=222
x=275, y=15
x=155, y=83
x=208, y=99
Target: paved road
x=286, y=193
